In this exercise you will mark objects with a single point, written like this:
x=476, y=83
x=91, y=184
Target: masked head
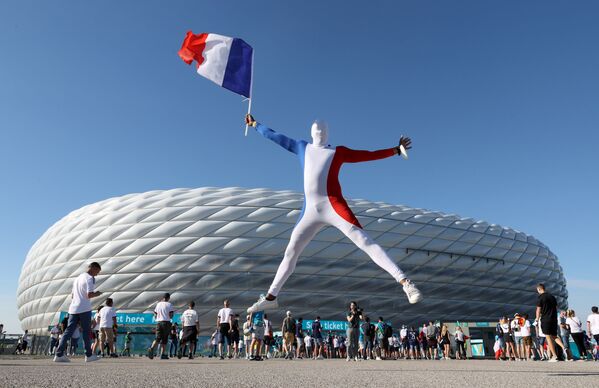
x=320, y=133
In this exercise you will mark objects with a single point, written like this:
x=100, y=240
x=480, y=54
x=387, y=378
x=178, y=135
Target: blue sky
x=500, y=98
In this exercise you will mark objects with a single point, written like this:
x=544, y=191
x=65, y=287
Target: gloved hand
x=406, y=142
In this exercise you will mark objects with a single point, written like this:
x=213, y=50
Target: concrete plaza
x=204, y=372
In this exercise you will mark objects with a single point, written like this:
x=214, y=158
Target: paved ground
x=141, y=372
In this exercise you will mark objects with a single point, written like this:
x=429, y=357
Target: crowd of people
x=547, y=337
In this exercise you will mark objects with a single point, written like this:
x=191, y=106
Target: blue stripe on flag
x=238, y=74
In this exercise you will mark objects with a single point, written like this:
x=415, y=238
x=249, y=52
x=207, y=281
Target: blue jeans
x=84, y=319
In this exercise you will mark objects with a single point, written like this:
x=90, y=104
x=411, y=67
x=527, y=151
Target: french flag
x=223, y=60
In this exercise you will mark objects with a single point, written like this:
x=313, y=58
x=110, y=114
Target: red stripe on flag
x=192, y=48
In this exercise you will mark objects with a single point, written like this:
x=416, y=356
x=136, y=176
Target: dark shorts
x=190, y=334
x=507, y=338
x=431, y=342
x=224, y=333
x=163, y=329
x=549, y=326
x=235, y=336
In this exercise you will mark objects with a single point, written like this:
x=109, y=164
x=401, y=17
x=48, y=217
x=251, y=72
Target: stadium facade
x=208, y=244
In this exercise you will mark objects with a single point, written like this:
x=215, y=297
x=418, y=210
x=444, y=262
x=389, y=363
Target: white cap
x=288, y=313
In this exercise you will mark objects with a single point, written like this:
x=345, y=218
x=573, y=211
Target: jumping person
x=324, y=205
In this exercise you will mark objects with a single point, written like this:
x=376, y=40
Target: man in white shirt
x=224, y=322
x=163, y=313
x=191, y=328
x=107, y=323
x=515, y=328
x=80, y=312
x=593, y=324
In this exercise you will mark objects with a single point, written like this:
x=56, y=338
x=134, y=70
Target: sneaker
x=164, y=357
x=150, y=354
x=62, y=358
x=348, y=358
x=180, y=354
x=91, y=358
x=553, y=359
x=263, y=304
x=379, y=359
x=190, y=357
x=320, y=357
x=413, y=294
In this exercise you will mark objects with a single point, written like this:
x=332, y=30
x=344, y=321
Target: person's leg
x=372, y=249
x=551, y=346
x=71, y=325
x=302, y=234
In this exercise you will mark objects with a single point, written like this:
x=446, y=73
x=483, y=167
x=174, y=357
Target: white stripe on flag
x=216, y=56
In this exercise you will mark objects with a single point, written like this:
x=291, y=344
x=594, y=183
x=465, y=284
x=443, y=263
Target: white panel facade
x=209, y=244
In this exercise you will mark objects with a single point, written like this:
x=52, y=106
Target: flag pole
x=251, y=87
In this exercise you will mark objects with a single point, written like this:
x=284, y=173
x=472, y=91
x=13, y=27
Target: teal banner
x=132, y=318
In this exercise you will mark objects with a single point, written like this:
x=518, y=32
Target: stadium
x=208, y=244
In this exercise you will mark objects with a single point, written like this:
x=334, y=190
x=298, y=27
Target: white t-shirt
x=106, y=315
x=403, y=333
x=594, y=320
x=215, y=338
x=308, y=341
x=459, y=336
x=575, y=325
x=267, y=328
x=505, y=328
x=163, y=310
x=224, y=314
x=189, y=318
x=335, y=342
x=80, y=303
x=525, y=330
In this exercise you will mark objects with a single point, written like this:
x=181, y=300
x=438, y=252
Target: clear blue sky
x=501, y=100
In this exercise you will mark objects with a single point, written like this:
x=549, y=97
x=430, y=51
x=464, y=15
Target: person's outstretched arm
x=288, y=143
x=355, y=156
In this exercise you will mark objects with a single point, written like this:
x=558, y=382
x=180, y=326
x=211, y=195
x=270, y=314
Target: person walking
x=318, y=340
x=460, y=339
x=163, y=314
x=80, y=312
x=191, y=328
x=575, y=328
x=526, y=338
x=173, y=340
x=445, y=342
x=54, y=337
x=107, y=323
x=593, y=325
x=299, y=337
x=288, y=327
x=546, y=314
x=247, y=335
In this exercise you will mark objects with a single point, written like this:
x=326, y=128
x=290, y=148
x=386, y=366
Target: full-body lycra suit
x=324, y=203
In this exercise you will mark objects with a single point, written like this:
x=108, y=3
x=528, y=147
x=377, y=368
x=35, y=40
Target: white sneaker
x=263, y=304
x=348, y=358
x=413, y=294
x=320, y=358
x=62, y=358
x=553, y=359
x=91, y=358
x=378, y=359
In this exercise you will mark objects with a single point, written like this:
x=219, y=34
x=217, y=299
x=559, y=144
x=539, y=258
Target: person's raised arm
x=288, y=143
x=355, y=156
